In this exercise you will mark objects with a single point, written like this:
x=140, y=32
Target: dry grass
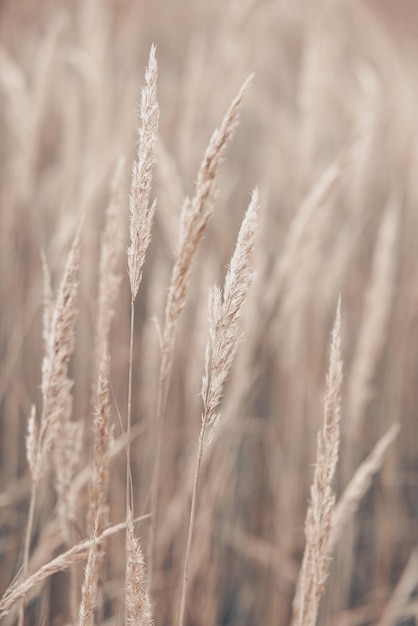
x=103, y=369
x=224, y=313
x=320, y=515
x=194, y=218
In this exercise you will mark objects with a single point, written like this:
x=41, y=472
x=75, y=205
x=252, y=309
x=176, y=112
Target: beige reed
x=62, y=562
x=141, y=219
x=56, y=387
x=225, y=309
x=138, y=605
x=319, y=518
x=89, y=588
x=194, y=218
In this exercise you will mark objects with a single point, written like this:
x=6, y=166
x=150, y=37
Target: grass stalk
x=28, y=535
x=191, y=529
x=141, y=219
x=194, y=219
x=129, y=494
x=224, y=313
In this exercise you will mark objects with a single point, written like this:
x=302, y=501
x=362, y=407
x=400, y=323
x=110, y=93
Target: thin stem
x=129, y=490
x=163, y=386
x=28, y=535
x=191, y=524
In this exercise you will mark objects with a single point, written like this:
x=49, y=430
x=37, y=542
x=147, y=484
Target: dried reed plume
x=141, y=211
x=109, y=282
x=141, y=219
x=62, y=562
x=141, y=216
x=349, y=501
x=193, y=221
x=373, y=330
x=88, y=590
x=224, y=335
x=320, y=513
x=138, y=606
x=56, y=387
x=109, y=276
x=98, y=490
x=65, y=456
x=55, y=384
x=99, y=483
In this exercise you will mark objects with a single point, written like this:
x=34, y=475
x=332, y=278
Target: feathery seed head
x=141, y=211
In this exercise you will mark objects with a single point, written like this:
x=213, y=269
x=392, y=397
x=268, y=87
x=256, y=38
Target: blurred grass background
x=335, y=87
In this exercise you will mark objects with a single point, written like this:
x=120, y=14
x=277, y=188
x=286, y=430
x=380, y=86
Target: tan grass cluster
x=118, y=504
